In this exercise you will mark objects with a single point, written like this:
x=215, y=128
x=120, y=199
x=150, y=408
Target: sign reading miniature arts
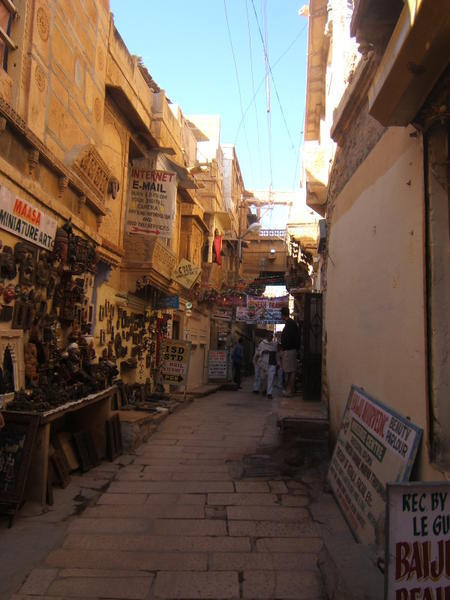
x=375, y=445
x=175, y=358
x=151, y=201
x=217, y=365
x=418, y=542
x=26, y=220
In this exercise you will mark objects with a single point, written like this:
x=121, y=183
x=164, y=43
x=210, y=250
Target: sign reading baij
x=375, y=445
x=418, y=541
x=26, y=220
x=151, y=201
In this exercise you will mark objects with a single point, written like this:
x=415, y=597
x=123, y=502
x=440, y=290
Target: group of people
x=272, y=361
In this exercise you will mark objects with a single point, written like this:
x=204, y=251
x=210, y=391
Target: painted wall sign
x=25, y=220
x=175, y=358
x=222, y=313
x=152, y=197
x=217, y=365
x=418, y=541
x=186, y=273
x=168, y=302
x=375, y=445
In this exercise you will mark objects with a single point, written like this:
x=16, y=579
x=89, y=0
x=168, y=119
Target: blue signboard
x=168, y=302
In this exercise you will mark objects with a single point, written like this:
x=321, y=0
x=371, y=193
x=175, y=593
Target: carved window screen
x=7, y=14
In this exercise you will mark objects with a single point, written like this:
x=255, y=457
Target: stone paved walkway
x=186, y=518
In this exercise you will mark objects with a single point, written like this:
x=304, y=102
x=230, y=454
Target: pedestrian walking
x=265, y=362
x=290, y=343
x=237, y=356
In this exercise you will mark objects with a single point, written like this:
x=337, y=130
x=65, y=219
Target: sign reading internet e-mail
x=418, y=541
x=375, y=445
x=25, y=220
x=151, y=201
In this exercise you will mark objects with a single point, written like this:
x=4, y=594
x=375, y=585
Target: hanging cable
x=238, y=84
x=253, y=90
x=272, y=77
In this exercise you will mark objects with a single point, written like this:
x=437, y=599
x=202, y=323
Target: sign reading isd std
x=186, y=273
x=151, y=200
x=217, y=365
x=26, y=220
x=175, y=357
x=418, y=541
x=375, y=445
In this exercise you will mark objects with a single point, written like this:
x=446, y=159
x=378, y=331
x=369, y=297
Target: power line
x=238, y=83
x=253, y=89
x=263, y=80
x=272, y=77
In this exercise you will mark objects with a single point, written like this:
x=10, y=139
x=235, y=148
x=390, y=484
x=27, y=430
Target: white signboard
x=186, y=273
x=175, y=358
x=151, y=201
x=25, y=220
x=217, y=365
x=418, y=541
x=375, y=445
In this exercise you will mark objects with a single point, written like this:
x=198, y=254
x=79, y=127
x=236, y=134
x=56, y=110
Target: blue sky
x=186, y=47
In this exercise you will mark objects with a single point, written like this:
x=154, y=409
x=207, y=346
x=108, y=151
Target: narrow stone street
x=203, y=510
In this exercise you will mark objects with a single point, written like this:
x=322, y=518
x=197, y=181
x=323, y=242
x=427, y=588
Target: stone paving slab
x=271, y=529
x=238, y=499
x=136, y=588
x=170, y=487
x=252, y=487
x=38, y=581
x=263, y=561
x=145, y=511
x=69, y=558
x=149, y=526
x=264, y=513
x=302, y=545
x=135, y=543
x=295, y=501
x=296, y=585
x=128, y=499
x=188, y=499
x=196, y=586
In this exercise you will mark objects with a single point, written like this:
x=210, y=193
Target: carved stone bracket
x=92, y=169
x=2, y=124
x=99, y=219
x=63, y=183
x=79, y=203
x=33, y=160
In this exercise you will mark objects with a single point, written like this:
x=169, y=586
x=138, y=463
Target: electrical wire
x=253, y=89
x=238, y=84
x=252, y=101
x=272, y=77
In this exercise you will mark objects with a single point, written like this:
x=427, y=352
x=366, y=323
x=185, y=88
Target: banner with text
x=152, y=198
x=26, y=220
x=262, y=311
x=217, y=365
x=375, y=445
x=417, y=541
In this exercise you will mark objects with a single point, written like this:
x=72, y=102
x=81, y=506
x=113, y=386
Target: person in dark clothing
x=290, y=343
x=237, y=362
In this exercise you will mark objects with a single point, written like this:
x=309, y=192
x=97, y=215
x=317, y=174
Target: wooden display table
x=87, y=414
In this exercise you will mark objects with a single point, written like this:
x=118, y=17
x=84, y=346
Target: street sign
x=375, y=445
x=175, y=358
x=168, y=302
x=217, y=365
x=186, y=273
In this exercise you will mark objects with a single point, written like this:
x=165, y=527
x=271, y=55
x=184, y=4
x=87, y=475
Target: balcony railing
x=273, y=233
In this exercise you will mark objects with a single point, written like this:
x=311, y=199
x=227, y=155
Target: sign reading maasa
x=26, y=220
x=375, y=445
x=417, y=541
x=151, y=201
